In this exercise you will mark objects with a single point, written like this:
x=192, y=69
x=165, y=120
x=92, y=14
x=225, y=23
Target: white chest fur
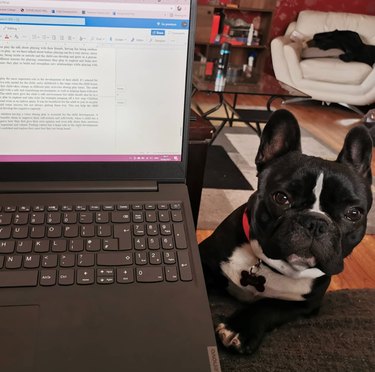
x=281, y=286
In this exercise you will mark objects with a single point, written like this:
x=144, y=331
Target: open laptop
x=99, y=266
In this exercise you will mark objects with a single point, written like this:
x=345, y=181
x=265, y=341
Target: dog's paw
x=229, y=338
x=240, y=342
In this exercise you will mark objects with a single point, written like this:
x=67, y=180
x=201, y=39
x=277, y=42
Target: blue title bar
x=70, y=21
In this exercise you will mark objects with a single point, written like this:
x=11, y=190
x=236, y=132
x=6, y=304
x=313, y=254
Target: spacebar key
x=18, y=278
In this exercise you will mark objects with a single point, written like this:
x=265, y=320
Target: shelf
x=244, y=46
x=216, y=22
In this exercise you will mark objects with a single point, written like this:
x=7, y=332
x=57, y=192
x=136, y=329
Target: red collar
x=246, y=224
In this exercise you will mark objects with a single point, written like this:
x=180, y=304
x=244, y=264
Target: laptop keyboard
x=92, y=244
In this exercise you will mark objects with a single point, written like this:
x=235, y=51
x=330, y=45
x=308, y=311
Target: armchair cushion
x=314, y=52
x=334, y=70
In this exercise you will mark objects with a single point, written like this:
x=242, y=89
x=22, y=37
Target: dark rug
x=221, y=172
x=341, y=338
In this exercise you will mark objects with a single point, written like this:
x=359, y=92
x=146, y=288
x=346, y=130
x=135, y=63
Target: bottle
x=222, y=67
x=250, y=35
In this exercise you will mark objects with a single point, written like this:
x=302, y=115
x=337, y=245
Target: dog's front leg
x=244, y=330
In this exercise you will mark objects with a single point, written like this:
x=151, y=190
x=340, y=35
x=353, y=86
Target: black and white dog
x=278, y=251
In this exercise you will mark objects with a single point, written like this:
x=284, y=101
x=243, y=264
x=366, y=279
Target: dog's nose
x=315, y=225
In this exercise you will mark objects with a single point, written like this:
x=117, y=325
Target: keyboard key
x=141, y=258
x=58, y=245
x=138, y=217
x=66, y=277
x=176, y=216
x=54, y=232
x=149, y=274
x=110, y=245
x=151, y=216
x=123, y=207
x=5, y=218
x=153, y=243
x=86, y=259
x=37, y=232
x=88, y=231
x=140, y=244
x=93, y=245
x=5, y=232
x=184, y=265
x=10, y=208
x=152, y=229
x=49, y=260
x=47, y=277
x=85, y=276
x=169, y=258
x=123, y=233
x=179, y=236
x=7, y=246
x=24, y=246
x=37, y=218
x=102, y=217
x=176, y=206
x=71, y=231
x=114, y=259
x=125, y=275
x=104, y=230
x=75, y=245
x=21, y=218
x=155, y=258
x=70, y=218
x=20, y=232
x=13, y=262
x=165, y=229
x=31, y=261
x=164, y=216
x=41, y=246
x=167, y=242
x=27, y=278
x=86, y=217
x=139, y=230
x=67, y=260
x=121, y=217
x=171, y=274
x=53, y=218
x=105, y=280
x=105, y=272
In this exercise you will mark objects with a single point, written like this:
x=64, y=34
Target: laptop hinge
x=78, y=186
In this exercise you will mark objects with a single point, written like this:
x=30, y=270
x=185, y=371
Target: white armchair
x=327, y=79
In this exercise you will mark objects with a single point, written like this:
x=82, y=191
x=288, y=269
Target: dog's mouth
x=301, y=263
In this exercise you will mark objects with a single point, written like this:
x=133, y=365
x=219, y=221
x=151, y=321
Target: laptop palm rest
x=18, y=332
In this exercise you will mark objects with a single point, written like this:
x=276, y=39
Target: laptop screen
x=93, y=81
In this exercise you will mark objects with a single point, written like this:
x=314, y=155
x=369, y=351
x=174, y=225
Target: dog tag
x=253, y=280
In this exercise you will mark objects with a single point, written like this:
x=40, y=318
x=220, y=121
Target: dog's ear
x=357, y=151
x=280, y=136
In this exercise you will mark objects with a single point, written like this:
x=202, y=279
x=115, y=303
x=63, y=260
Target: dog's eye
x=281, y=198
x=353, y=214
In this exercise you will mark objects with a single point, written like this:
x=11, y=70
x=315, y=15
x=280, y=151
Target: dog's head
x=308, y=211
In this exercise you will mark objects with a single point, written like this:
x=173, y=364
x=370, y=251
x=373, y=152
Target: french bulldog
x=278, y=251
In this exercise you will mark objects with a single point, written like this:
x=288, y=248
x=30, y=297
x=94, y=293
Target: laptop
x=99, y=266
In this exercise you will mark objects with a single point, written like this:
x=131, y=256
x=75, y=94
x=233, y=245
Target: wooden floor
x=329, y=124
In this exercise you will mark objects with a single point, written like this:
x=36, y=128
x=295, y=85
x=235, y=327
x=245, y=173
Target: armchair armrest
x=292, y=53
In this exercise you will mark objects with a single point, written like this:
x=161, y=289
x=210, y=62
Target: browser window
x=92, y=81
